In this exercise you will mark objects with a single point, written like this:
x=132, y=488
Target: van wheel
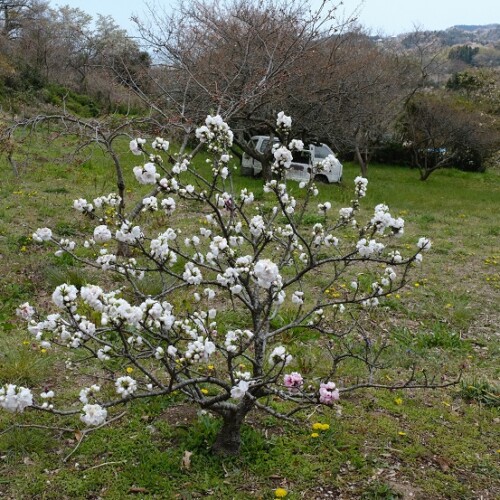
x=321, y=178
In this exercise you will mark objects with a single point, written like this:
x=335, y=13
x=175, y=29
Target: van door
x=247, y=162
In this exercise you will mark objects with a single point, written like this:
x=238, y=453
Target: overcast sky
x=389, y=17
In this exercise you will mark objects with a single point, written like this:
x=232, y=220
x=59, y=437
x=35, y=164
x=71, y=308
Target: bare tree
x=444, y=134
x=238, y=58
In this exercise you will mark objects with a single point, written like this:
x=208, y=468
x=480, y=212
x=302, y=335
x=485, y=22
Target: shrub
x=234, y=293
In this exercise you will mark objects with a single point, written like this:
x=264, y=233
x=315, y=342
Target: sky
x=387, y=17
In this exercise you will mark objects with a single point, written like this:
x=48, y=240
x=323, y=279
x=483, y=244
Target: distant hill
x=488, y=34
x=484, y=39
x=461, y=34
x=475, y=27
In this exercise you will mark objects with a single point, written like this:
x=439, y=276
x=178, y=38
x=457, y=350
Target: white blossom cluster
x=15, y=398
x=283, y=121
x=324, y=207
x=180, y=166
x=85, y=207
x=160, y=144
x=25, y=311
x=110, y=200
x=361, y=183
x=298, y=298
x=322, y=238
x=89, y=391
x=150, y=203
x=102, y=234
x=383, y=220
x=369, y=248
x=346, y=213
x=279, y=355
x=279, y=189
x=93, y=415
x=200, y=349
x=296, y=145
x=135, y=146
x=282, y=158
x=160, y=250
x=125, y=386
x=169, y=185
x=267, y=273
x=239, y=390
x=65, y=245
x=128, y=233
x=237, y=339
x=42, y=234
x=246, y=196
x=216, y=133
x=146, y=174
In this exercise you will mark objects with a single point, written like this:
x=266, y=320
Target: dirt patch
x=181, y=414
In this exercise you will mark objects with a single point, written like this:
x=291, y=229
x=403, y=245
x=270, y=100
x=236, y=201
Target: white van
x=303, y=164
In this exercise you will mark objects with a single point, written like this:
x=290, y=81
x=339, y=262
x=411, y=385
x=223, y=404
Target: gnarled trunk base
x=228, y=440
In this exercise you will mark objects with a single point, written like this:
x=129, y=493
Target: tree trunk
x=424, y=174
x=267, y=173
x=228, y=440
x=362, y=163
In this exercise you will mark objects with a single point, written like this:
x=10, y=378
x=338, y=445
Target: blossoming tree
x=261, y=258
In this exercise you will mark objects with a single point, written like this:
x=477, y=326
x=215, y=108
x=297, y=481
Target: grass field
x=413, y=444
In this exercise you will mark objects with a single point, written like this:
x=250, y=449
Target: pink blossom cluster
x=293, y=381
x=328, y=393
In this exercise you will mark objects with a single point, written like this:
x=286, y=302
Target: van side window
x=301, y=156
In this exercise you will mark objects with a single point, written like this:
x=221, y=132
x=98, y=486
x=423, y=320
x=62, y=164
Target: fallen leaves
x=186, y=460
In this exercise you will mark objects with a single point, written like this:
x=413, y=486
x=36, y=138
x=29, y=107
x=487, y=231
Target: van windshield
x=321, y=152
x=265, y=143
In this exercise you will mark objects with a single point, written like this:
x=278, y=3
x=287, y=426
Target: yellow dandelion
x=210, y=367
x=398, y=401
x=416, y=285
x=314, y=435
x=204, y=391
x=280, y=493
x=317, y=425
x=129, y=369
x=398, y=296
x=43, y=351
x=401, y=433
x=25, y=342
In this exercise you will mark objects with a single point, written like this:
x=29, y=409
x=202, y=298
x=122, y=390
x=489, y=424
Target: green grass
x=435, y=444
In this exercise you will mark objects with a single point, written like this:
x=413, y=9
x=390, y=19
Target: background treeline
x=425, y=99
x=61, y=55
